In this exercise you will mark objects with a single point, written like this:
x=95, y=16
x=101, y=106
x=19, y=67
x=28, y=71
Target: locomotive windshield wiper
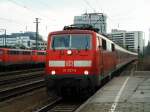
x=86, y=47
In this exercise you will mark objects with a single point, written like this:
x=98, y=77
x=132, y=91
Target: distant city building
x=97, y=20
x=131, y=40
x=22, y=40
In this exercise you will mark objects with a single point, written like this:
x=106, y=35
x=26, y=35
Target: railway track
x=20, y=67
x=8, y=79
x=18, y=82
x=20, y=89
x=60, y=105
x=20, y=71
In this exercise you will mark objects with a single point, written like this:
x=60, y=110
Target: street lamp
x=4, y=38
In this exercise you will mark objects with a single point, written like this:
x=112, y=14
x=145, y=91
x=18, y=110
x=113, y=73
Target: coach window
x=113, y=47
x=17, y=52
x=1, y=52
x=104, y=44
x=12, y=52
x=24, y=53
x=41, y=53
x=27, y=52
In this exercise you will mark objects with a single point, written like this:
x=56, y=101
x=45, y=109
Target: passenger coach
x=21, y=56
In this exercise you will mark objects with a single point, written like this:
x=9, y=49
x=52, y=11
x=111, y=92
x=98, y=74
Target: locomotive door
x=100, y=61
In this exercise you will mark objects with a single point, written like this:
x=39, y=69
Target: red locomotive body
x=81, y=59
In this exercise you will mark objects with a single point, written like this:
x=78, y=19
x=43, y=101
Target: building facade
x=97, y=20
x=25, y=40
x=131, y=40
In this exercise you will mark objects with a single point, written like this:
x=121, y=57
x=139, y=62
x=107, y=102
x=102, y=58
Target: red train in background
x=78, y=58
x=20, y=56
x=38, y=56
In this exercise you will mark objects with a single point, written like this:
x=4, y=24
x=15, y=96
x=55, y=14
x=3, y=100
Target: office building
x=131, y=40
x=97, y=20
x=25, y=40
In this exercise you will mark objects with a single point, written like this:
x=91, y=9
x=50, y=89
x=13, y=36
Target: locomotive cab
x=70, y=60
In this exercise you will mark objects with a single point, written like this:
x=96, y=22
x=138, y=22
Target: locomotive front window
x=81, y=41
x=60, y=41
x=74, y=41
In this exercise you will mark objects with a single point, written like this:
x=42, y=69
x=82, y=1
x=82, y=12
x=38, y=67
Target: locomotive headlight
x=86, y=72
x=69, y=52
x=53, y=72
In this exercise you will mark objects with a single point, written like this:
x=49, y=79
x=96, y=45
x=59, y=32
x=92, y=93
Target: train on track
x=78, y=59
x=21, y=56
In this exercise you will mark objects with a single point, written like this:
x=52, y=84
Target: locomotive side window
x=113, y=47
x=104, y=46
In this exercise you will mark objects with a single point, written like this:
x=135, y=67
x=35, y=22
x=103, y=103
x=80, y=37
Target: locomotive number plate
x=69, y=70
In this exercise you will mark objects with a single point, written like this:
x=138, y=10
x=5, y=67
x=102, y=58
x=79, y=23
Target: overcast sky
x=19, y=15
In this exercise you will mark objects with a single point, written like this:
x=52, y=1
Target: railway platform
x=129, y=92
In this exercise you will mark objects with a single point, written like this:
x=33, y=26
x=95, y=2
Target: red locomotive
x=80, y=59
x=21, y=56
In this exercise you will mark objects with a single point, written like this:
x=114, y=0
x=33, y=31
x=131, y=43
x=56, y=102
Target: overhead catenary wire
x=11, y=21
x=90, y=6
x=29, y=9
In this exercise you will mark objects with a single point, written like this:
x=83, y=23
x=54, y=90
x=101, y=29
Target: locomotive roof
x=81, y=27
x=72, y=32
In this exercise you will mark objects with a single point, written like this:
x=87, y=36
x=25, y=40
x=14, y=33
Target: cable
x=11, y=21
x=5, y=19
x=89, y=5
x=43, y=4
x=27, y=8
